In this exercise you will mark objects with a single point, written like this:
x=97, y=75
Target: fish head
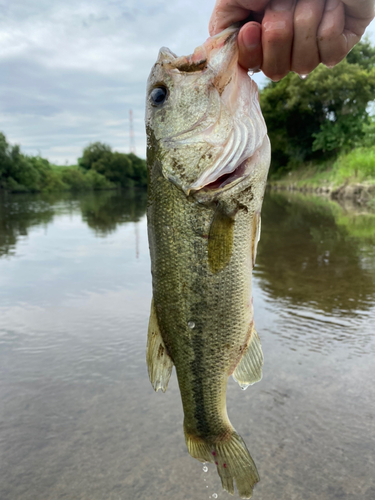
x=203, y=119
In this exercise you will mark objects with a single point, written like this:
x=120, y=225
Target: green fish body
x=208, y=158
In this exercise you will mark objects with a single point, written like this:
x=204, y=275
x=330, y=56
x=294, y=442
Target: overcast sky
x=70, y=70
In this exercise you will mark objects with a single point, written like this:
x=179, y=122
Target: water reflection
x=316, y=269
x=312, y=252
x=17, y=215
x=102, y=211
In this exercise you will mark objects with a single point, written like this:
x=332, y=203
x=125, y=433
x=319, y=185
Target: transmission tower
x=131, y=133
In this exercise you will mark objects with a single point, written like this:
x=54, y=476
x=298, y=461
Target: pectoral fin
x=159, y=362
x=220, y=241
x=249, y=369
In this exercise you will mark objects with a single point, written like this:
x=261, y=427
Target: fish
x=208, y=156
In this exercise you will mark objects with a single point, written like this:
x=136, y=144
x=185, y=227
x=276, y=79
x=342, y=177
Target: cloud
x=72, y=70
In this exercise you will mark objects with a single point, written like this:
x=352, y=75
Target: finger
x=362, y=11
x=250, y=46
x=332, y=41
x=227, y=12
x=358, y=17
x=277, y=38
x=305, y=53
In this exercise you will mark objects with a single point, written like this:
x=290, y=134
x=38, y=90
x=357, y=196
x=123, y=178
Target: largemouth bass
x=208, y=156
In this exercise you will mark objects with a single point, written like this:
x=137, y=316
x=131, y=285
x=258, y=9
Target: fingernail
x=252, y=37
x=281, y=5
x=331, y=5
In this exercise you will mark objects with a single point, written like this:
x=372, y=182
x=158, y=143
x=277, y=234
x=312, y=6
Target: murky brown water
x=78, y=417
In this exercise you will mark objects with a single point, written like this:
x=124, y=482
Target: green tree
x=139, y=170
x=362, y=54
x=94, y=152
x=17, y=171
x=116, y=167
x=324, y=114
x=124, y=170
x=5, y=160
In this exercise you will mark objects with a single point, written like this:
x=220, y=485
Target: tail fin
x=232, y=459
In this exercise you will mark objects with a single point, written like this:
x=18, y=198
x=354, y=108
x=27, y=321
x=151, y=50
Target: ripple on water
x=317, y=331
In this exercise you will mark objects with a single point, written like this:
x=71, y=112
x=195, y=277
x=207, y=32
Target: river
x=78, y=416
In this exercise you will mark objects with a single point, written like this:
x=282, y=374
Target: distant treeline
x=324, y=116
x=98, y=168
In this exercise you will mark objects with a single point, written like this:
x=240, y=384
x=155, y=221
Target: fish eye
x=158, y=95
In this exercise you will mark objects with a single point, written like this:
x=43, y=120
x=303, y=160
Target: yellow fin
x=220, y=241
x=159, y=362
x=249, y=369
x=232, y=459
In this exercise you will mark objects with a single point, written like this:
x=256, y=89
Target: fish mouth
x=230, y=179
x=242, y=172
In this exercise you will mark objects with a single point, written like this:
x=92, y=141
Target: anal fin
x=249, y=369
x=159, y=363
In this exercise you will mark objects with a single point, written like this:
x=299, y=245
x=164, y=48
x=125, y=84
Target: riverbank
x=350, y=178
x=357, y=193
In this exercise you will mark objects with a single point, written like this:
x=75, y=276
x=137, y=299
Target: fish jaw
x=211, y=122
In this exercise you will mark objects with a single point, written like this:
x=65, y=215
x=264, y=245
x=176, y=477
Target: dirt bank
x=359, y=193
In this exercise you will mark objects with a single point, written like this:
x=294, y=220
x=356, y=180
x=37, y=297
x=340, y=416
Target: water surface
x=78, y=416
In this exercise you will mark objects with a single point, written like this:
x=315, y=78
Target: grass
x=358, y=166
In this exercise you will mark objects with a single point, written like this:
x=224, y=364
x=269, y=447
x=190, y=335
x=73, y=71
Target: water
x=78, y=416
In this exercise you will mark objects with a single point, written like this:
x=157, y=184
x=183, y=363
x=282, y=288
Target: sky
x=71, y=70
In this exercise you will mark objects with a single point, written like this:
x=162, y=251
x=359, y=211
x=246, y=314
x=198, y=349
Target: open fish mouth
x=239, y=174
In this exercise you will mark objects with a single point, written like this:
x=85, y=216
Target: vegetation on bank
x=357, y=166
x=98, y=168
x=321, y=128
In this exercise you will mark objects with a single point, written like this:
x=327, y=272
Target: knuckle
x=328, y=34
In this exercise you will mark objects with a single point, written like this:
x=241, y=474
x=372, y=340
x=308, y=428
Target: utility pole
x=131, y=133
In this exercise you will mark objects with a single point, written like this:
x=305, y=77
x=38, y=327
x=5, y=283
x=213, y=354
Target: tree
x=362, y=54
x=17, y=171
x=5, y=160
x=116, y=167
x=139, y=170
x=94, y=152
x=324, y=114
x=124, y=170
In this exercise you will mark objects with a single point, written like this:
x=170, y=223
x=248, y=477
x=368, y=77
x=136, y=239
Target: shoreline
x=360, y=194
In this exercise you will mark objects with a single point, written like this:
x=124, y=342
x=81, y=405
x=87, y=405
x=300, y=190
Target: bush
x=358, y=164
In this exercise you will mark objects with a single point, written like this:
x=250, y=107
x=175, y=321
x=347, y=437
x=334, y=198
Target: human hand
x=293, y=35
